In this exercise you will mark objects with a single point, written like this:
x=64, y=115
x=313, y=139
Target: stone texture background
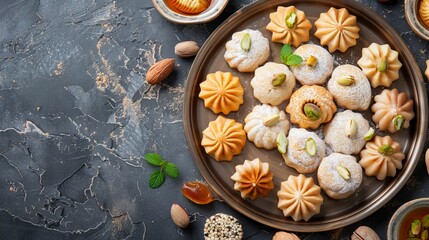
x=72, y=141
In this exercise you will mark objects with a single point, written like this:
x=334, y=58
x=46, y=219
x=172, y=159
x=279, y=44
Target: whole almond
x=179, y=215
x=365, y=233
x=160, y=71
x=186, y=49
x=285, y=236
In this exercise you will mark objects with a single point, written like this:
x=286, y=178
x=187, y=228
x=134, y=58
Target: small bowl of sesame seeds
x=222, y=226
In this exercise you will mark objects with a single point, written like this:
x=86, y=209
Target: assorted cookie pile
x=322, y=129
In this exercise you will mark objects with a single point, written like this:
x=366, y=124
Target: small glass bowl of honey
x=402, y=224
x=417, y=15
x=190, y=11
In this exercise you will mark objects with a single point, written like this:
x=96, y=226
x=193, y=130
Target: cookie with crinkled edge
x=264, y=124
x=316, y=95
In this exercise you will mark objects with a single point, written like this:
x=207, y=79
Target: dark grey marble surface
x=72, y=141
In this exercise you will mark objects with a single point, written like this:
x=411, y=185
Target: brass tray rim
x=354, y=216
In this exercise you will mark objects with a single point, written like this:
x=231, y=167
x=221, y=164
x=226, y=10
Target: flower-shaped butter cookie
x=223, y=139
x=380, y=64
x=222, y=92
x=289, y=26
x=393, y=110
x=299, y=198
x=253, y=179
x=338, y=29
x=381, y=157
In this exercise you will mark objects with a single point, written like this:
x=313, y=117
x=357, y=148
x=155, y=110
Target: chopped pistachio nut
x=416, y=226
x=369, y=135
x=351, y=128
x=382, y=64
x=271, y=120
x=424, y=235
x=282, y=142
x=386, y=150
x=411, y=235
x=312, y=111
x=312, y=61
x=346, y=80
x=310, y=147
x=278, y=79
x=398, y=122
x=344, y=172
x=413, y=238
x=245, y=42
x=425, y=221
x=291, y=20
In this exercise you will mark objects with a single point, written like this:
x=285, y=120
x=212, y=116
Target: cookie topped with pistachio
x=339, y=175
x=380, y=64
x=289, y=25
x=316, y=67
x=350, y=88
x=247, y=50
x=264, y=124
x=393, y=110
x=346, y=132
x=273, y=83
x=310, y=106
x=381, y=157
x=305, y=150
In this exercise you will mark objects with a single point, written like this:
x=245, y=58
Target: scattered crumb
x=59, y=70
x=108, y=26
x=102, y=81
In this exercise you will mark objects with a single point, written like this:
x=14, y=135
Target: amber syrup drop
x=197, y=192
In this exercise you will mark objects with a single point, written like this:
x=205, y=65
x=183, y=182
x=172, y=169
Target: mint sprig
x=288, y=58
x=157, y=177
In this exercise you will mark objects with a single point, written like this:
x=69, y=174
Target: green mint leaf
x=285, y=53
x=156, y=179
x=154, y=159
x=293, y=60
x=171, y=170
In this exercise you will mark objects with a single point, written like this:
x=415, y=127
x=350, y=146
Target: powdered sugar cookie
x=339, y=175
x=273, y=83
x=247, y=50
x=317, y=65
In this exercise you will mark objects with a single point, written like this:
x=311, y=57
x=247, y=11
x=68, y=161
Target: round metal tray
x=372, y=193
